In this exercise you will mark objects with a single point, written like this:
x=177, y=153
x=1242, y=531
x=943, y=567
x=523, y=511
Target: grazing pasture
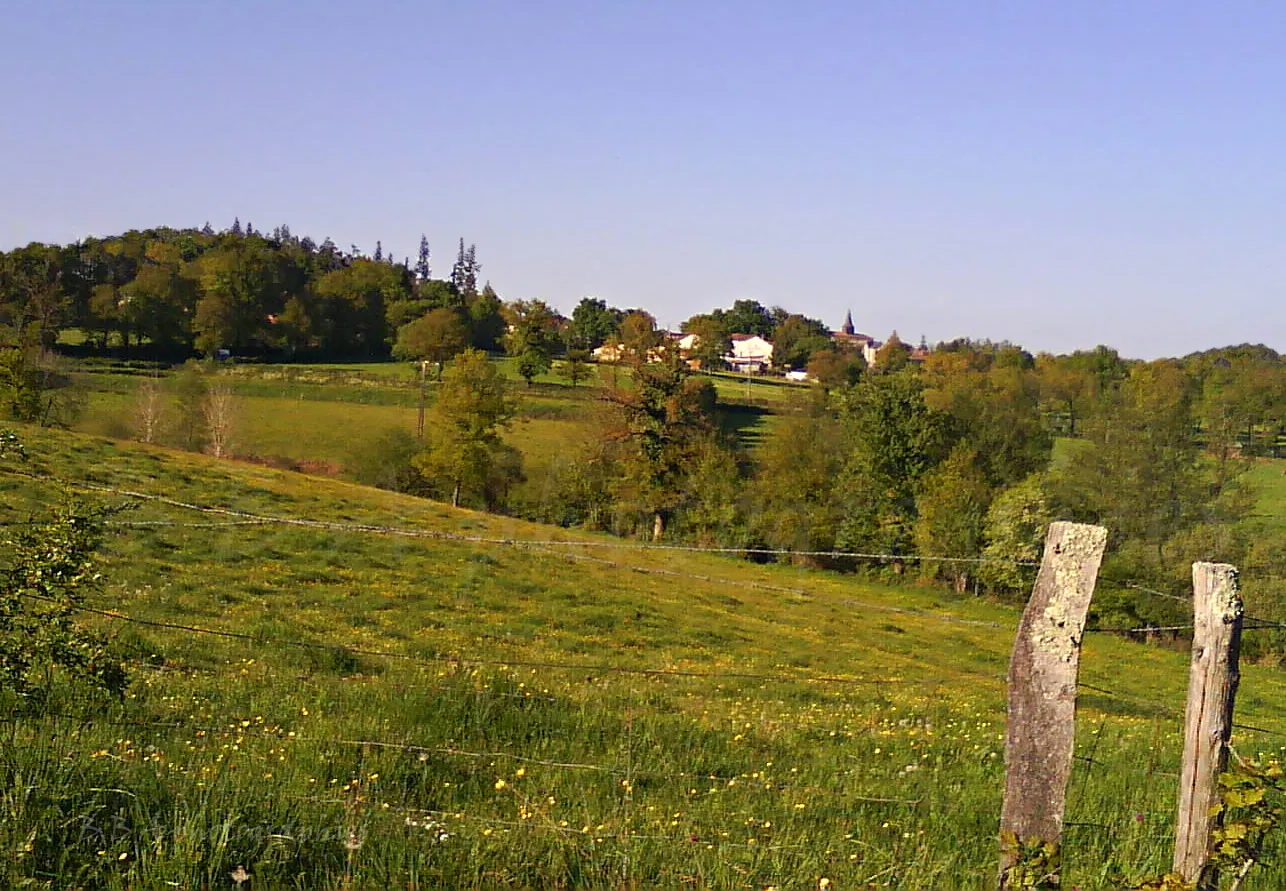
x=401, y=694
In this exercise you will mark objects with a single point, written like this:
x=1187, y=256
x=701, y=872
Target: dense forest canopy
x=171, y=292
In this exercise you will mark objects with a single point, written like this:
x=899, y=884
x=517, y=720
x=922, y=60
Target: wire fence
x=243, y=518
x=600, y=669
x=248, y=518
x=575, y=550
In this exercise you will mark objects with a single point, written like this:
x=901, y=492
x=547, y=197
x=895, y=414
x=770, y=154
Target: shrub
x=47, y=571
x=385, y=462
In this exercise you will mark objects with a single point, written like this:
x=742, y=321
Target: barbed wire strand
x=765, y=586
x=594, y=668
x=248, y=518
x=331, y=525
x=275, y=731
x=565, y=830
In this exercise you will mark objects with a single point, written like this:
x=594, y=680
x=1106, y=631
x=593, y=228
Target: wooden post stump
x=1212, y=690
x=1040, y=729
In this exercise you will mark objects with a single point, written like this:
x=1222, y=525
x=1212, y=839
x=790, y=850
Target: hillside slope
x=555, y=710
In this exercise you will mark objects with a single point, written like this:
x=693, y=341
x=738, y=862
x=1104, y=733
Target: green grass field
x=1268, y=476
x=319, y=414
x=546, y=715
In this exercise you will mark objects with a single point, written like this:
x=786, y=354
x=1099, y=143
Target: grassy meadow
x=481, y=702
x=319, y=415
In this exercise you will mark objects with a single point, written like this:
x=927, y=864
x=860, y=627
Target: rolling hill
x=337, y=686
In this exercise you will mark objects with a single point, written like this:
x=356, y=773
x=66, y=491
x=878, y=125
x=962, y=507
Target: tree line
x=171, y=293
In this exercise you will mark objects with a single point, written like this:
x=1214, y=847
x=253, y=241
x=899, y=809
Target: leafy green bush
x=46, y=573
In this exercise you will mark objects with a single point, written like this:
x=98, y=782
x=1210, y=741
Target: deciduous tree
x=593, y=322
x=796, y=339
x=1142, y=474
x=296, y=323
x=639, y=337
x=219, y=409
x=797, y=502
x=575, y=367
x=951, y=511
x=437, y=336
x=352, y=301
x=662, y=414
x=892, y=357
x=835, y=369
x=712, y=341
x=463, y=433
x=747, y=317
x=893, y=439
x=1014, y=533
x=996, y=408
x=532, y=326
x=486, y=319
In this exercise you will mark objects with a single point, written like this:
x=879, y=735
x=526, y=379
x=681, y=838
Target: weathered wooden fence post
x=1040, y=729
x=1212, y=689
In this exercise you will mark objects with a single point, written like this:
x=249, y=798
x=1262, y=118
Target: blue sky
x=1056, y=174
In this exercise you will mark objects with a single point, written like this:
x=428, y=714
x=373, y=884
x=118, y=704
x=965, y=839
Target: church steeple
x=847, y=327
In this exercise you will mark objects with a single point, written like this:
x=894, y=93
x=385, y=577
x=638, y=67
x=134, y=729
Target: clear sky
x=1059, y=174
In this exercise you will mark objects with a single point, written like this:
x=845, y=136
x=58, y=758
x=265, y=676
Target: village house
x=616, y=352
x=750, y=353
x=685, y=342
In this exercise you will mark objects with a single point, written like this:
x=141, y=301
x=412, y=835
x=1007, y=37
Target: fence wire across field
x=586, y=832
x=550, y=546
x=595, y=831
x=593, y=668
x=267, y=731
x=248, y=518
x=556, y=547
x=604, y=669
x=553, y=547
x=764, y=586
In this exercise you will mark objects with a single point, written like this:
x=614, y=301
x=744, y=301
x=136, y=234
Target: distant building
x=617, y=352
x=750, y=353
x=849, y=338
x=608, y=352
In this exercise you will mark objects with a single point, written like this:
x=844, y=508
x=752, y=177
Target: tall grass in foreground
x=542, y=779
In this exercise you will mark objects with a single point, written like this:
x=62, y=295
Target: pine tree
x=422, y=269
x=236, y=227
x=472, y=267
x=460, y=270
x=207, y=229
x=379, y=251
x=464, y=274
